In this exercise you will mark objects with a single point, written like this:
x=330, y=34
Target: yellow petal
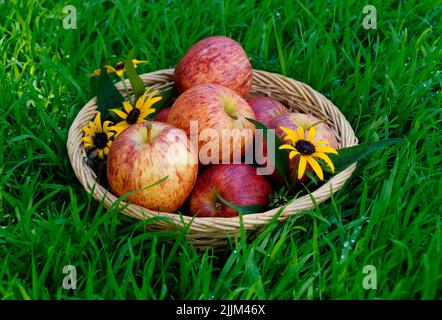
x=311, y=134
x=98, y=122
x=88, y=145
x=146, y=112
x=88, y=140
x=326, y=150
x=113, y=129
x=127, y=107
x=141, y=120
x=293, y=154
x=140, y=101
x=95, y=73
x=121, y=126
x=151, y=101
x=92, y=126
x=301, y=166
x=316, y=167
x=88, y=131
x=110, y=69
x=119, y=113
x=117, y=131
x=287, y=147
x=106, y=126
x=290, y=134
x=152, y=94
x=327, y=160
x=320, y=142
x=301, y=133
x=135, y=61
x=100, y=153
x=120, y=72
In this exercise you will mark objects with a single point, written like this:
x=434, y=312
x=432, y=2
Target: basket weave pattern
x=213, y=232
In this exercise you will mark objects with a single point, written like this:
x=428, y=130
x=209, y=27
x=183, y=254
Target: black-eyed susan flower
x=307, y=150
x=138, y=114
x=118, y=68
x=99, y=136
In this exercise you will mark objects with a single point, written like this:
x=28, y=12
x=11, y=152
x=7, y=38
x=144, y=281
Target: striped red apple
x=237, y=183
x=144, y=154
x=218, y=60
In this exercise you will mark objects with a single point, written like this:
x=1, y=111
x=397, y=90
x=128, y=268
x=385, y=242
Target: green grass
x=386, y=81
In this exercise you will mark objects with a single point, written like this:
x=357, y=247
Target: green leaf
x=347, y=156
x=108, y=96
x=136, y=83
x=279, y=157
x=241, y=209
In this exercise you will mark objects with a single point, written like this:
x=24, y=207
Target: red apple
x=220, y=115
x=162, y=115
x=292, y=121
x=266, y=108
x=237, y=183
x=145, y=153
x=218, y=60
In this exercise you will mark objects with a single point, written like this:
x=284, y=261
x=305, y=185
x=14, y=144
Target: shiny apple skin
x=218, y=108
x=266, y=108
x=134, y=164
x=162, y=115
x=218, y=60
x=237, y=183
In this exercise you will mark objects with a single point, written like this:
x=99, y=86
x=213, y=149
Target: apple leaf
x=279, y=157
x=241, y=209
x=107, y=95
x=135, y=81
x=349, y=155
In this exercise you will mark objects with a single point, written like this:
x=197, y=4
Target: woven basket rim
x=213, y=227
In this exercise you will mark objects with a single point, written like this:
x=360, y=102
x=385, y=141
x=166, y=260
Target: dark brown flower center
x=132, y=117
x=119, y=66
x=305, y=147
x=101, y=140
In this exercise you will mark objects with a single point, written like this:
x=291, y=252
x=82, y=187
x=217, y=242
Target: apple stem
x=148, y=131
x=218, y=205
x=316, y=123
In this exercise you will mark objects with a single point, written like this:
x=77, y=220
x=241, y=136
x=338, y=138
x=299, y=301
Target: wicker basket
x=214, y=232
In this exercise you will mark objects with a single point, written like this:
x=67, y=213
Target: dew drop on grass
x=346, y=244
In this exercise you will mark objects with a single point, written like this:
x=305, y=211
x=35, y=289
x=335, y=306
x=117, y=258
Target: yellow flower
x=118, y=68
x=98, y=136
x=132, y=115
x=307, y=150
